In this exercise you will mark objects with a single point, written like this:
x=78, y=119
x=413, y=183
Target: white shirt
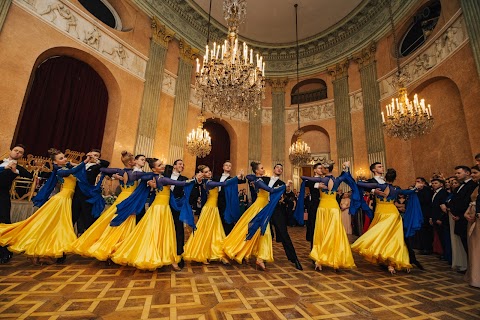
x=90, y=164
x=8, y=161
x=223, y=178
x=272, y=181
x=317, y=184
x=174, y=176
x=379, y=179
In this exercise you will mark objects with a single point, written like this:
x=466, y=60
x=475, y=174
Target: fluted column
x=178, y=134
x=147, y=124
x=371, y=104
x=471, y=12
x=343, y=121
x=278, y=120
x=4, y=6
x=254, y=136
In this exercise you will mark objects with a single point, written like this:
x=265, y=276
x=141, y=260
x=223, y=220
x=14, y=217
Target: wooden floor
x=87, y=289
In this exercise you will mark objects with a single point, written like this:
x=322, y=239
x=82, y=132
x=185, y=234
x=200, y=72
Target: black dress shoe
x=181, y=264
x=418, y=264
x=298, y=265
x=62, y=259
x=462, y=271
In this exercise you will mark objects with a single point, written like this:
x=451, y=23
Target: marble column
x=147, y=124
x=343, y=119
x=4, y=6
x=278, y=120
x=178, y=135
x=254, y=137
x=371, y=104
x=471, y=12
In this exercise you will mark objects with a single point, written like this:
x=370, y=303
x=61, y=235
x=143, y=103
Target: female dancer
x=384, y=240
x=48, y=233
x=206, y=243
x=330, y=245
x=473, y=216
x=100, y=239
x=259, y=242
x=152, y=243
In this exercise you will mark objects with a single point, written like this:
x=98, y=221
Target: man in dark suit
x=81, y=209
x=178, y=192
x=425, y=194
x=314, y=203
x=9, y=170
x=460, y=202
x=439, y=216
x=279, y=218
x=227, y=168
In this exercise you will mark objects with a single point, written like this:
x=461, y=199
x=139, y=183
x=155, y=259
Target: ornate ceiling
x=329, y=31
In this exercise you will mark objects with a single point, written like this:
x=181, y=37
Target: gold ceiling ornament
x=199, y=142
x=299, y=151
x=404, y=118
x=231, y=79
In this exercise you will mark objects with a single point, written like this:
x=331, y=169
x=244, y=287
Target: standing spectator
x=346, y=217
x=459, y=256
x=242, y=198
x=439, y=217
x=426, y=233
x=473, y=217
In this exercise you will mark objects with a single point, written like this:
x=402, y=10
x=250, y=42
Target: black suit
x=6, y=180
x=279, y=222
x=458, y=205
x=227, y=227
x=179, y=231
x=443, y=229
x=312, y=210
x=81, y=209
x=426, y=234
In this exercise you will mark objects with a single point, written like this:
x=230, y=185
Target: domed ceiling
x=329, y=30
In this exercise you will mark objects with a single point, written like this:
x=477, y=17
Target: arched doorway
x=65, y=108
x=220, y=147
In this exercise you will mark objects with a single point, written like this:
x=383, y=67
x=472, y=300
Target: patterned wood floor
x=87, y=289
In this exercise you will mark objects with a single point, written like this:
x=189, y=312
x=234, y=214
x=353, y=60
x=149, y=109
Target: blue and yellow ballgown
x=152, y=243
x=384, y=240
x=100, y=239
x=236, y=246
x=49, y=231
x=206, y=243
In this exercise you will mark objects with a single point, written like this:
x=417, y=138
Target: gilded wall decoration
x=445, y=43
x=79, y=26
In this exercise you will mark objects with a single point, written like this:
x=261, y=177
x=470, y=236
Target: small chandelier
x=405, y=119
x=199, y=142
x=230, y=79
x=299, y=151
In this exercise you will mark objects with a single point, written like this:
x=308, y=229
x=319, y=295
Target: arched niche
x=309, y=90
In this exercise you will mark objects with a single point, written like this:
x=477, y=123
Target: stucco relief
x=73, y=22
x=324, y=110
x=356, y=101
x=266, y=115
x=441, y=47
x=168, y=83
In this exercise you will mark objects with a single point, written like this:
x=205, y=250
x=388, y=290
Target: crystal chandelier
x=199, y=142
x=405, y=119
x=230, y=79
x=299, y=151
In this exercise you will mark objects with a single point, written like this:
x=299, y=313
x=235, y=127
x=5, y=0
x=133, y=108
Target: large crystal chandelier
x=405, y=119
x=299, y=151
x=199, y=142
x=231, y=79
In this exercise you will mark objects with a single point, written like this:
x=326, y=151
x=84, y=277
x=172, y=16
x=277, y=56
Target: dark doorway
x=220, y=147
x=66, y=108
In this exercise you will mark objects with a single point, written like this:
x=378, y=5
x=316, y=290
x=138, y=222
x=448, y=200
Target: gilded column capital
x=366, y=55
x=278, y=84
x=160, y=33
x=339, y=70
x=187, y=53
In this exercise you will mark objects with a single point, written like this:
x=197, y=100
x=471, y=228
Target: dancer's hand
x=379, y=192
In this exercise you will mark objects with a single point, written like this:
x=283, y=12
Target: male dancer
x=279, y=218
x=9, y=170
x=81, y=209
x=314, y=203
x=177, y=191
x=227, y=168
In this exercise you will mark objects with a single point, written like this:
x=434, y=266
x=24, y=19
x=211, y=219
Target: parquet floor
x=88, y=289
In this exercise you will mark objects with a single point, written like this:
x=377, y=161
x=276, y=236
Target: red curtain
x=220, y=148
x=66, y=108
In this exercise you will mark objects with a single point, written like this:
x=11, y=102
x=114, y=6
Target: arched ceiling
x=273, y=21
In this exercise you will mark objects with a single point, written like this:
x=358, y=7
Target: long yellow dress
x=237, y=247
x=152, y=243
x=384, y=241
x=206, y=243
x=100, y=239
x=49, y=231
x=330, y=242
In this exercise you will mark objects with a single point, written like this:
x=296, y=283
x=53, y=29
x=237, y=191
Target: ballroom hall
x=346, y=128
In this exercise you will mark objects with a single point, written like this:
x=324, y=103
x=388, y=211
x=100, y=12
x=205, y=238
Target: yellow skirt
x=384, y=241
x=206, y=242
x=237, y=247
x=100, y=239
x=152, y=243
x=47, y=233
x=330, y=242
